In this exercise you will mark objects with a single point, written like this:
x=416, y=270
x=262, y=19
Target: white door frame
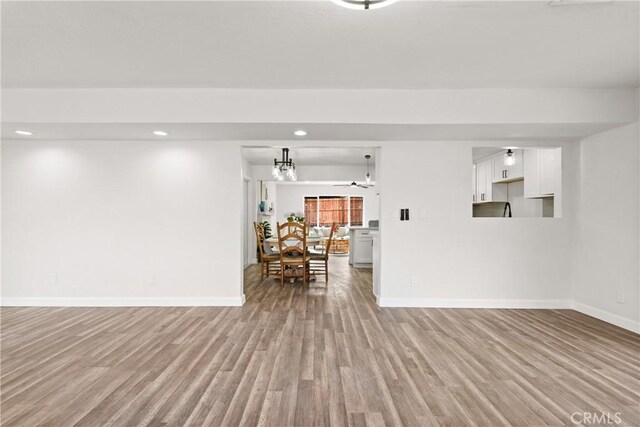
x=246, y=236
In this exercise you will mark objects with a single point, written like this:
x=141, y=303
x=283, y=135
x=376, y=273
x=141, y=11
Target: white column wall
x=121, y=223
x=606, y=249
x=457, y=260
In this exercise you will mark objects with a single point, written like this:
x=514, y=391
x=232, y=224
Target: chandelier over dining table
x=284, y=168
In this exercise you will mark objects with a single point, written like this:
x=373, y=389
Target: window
x=516, y=182
x=356, y=211
x=326, y=210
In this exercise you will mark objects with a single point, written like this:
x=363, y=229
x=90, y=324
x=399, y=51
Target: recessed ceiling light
x=300, y=132
x=24, y=132
x=160, y=133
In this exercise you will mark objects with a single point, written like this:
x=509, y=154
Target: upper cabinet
x=474, y=184
x=485, y=189
x=541, y=172
x=549, y=170
x=508, y=173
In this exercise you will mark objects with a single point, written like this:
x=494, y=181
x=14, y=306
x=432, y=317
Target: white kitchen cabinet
x=481, y=188
x=542, y=172
x=504, y=173
x=483, y=192
x=474, y=184
x=486, y=190
x=361, y=247
x=549, y=170
x=532, y=173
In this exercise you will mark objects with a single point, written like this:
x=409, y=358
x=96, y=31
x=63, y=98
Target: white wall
x=121, y=223
x=606, y=243
x=106, y=216
x=95, y=222
x=291, y=198
x=459, y=260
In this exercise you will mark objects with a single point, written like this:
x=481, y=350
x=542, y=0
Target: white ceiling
x=317, y=44
x=481, y=152
x=317, y=131
x=311, y=155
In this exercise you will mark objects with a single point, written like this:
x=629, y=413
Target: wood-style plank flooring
x=323, y=356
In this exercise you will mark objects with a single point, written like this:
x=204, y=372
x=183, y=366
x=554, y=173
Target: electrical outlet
x=53, y=279
x=414, y=281
x=153, y=279
x=620, y=297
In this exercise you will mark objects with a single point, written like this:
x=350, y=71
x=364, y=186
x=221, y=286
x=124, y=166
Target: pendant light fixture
x=509, y=159
x=284, y=168
x=367, y=178
x=364, y=4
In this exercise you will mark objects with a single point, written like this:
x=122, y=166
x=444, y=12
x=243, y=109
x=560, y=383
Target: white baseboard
x=122, y=302
x=614, y=319
x=473, y=303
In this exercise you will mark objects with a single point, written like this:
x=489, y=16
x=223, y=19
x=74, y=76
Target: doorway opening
x=334, y=190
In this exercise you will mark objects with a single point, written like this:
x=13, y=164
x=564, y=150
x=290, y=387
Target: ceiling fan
x=353, y=184
x=367, y=183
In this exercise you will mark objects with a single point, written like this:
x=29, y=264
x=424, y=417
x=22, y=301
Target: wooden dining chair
x=319, y=261
x=269, y=263
x=292, y=242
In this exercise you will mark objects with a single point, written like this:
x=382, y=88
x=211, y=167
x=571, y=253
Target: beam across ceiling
x=472, y=106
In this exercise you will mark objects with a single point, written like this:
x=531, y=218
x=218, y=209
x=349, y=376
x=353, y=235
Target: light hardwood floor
x=326, y=356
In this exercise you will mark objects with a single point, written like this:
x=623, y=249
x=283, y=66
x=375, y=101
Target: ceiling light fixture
x=509, y=160
x=367, y=178
x=300, y=132
x=160, y=133
x=24, y=132
x=364, y=4
x=284, y=168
